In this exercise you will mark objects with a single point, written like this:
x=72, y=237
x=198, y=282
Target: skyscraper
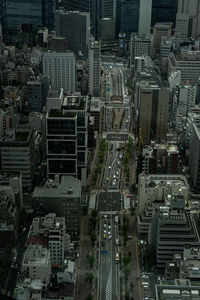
x=75, y=26
x=39, y=13
x=90, y=6
x=129, y=16
x=60, y=68
x=94, y=68
x=163, y=11
x=145, y=17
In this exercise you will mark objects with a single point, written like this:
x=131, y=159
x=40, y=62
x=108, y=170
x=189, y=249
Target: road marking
x=109, y=287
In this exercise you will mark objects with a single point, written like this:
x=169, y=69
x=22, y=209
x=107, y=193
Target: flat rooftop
x=74, y=103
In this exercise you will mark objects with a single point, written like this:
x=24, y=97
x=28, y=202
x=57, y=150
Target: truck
x=116, y=219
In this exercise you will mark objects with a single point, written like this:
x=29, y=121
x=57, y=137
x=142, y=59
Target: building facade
x=67, y=138
x=60, y=69
x=153, y=113
x=62, y=197
x=94, y=61
x=139, y=46
x=75, y=26
x=37, y=89
x=164, y=11
x=17, y=154
x=145, y=17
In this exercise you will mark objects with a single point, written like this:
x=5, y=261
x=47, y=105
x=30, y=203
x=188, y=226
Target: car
x=120, y=156
x=109, y=237
x=117, y=173
x=109, y=232
x=109, y=167
x=102, y=243
x=105, y=216
x=109, y=227
x=104, y=225
x=114, y=176
x=104, y=236
x=104, y=231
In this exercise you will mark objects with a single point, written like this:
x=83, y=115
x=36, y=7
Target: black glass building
x=164, y=11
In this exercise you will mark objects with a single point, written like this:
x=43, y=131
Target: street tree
x=93, y=238
x=89, y=277
x=90, y=260
x=126, y=272
x=126, y=259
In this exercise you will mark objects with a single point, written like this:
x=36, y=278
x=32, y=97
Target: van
x=117, y=242
x=117, y=257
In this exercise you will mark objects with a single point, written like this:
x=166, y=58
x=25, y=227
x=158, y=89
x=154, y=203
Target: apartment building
x=60, y=68
x=50, y=231
x=36, y=263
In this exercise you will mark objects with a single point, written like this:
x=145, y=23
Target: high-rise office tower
x=94, y=60
x=153, y=112
x=163, y=11
x=39, y=13
x=145, y=17
x=90, y=6
x=107, y=9
x=129, y=16
x=67, y=138
x=188, y=19
x=60, y=68
x=75, y=26
x=3, y=15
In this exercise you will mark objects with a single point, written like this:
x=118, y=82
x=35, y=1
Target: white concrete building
x=54, y=99
x=60, y=68
x=94, y=61
x=36, y=263
x=188, y=63
x=145, y=17
x=174, y=79
x=52, y=231
x=154, y=191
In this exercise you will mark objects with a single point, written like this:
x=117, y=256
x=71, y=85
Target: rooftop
x=57, y=113
x=74, y=103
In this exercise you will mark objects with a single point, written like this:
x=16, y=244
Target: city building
x=62, y=197
x=54, y=99
x=60, y=68
x=57, y=44
x=50, y=231
x=36, y=263
x=17, y=153
x=94, y=60
x=67, y=138
x=145, y=17
x=160, y=30
x=106, y=30
x=160, y=159
x=139, y=46
x=153, y=112
x=163, y=11
x=95, y=111
x=75, y=26
x=90, y=6
x=193, y=156
x=167, y=45
x=152, y=193
x=38, y=13
x=129, y=16
x=177, y=289
x=107, y=9
x=188, y=63
x=37, y=90
x=188, y=19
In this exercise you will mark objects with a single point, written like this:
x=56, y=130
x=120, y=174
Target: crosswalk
x=109, y=287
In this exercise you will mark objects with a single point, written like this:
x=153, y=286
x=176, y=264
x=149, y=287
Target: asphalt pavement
x=109, y=201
